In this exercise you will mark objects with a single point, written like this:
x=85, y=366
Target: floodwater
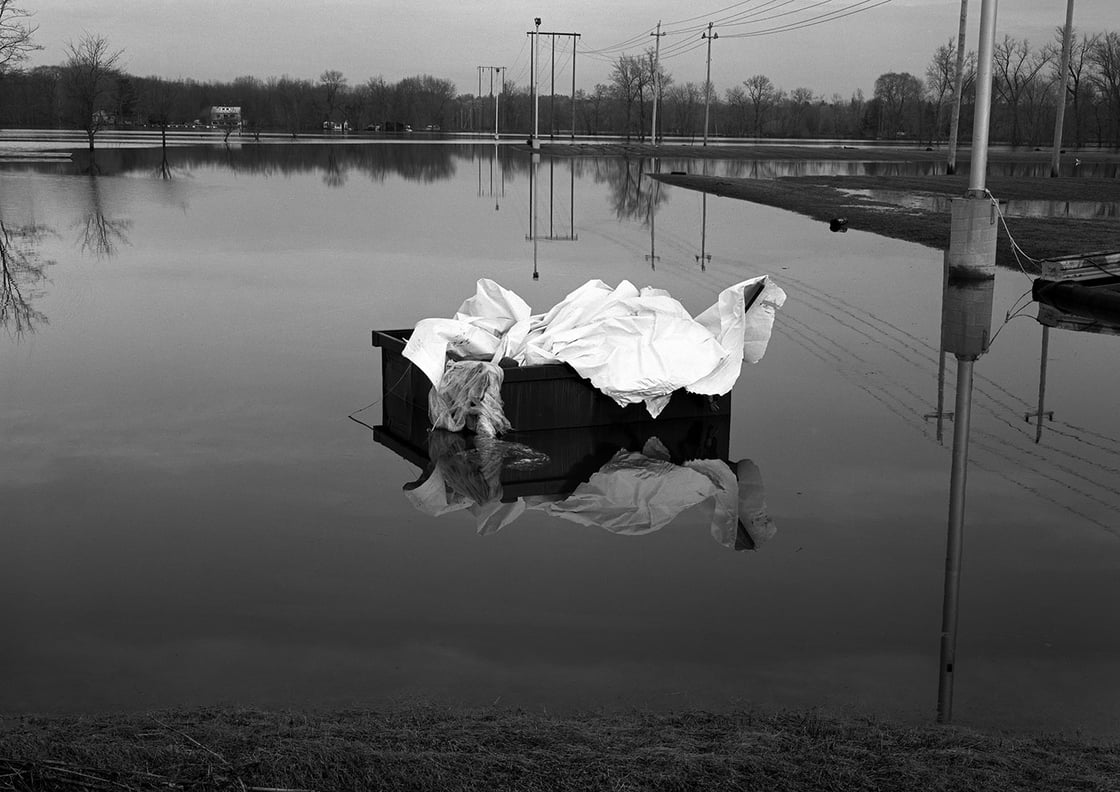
x=189, y=516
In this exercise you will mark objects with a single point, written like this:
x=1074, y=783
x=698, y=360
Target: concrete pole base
x=972, y=238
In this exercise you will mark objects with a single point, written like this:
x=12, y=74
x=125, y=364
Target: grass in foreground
x=437, y=749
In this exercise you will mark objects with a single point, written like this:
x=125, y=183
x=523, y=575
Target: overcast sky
x=223, y=39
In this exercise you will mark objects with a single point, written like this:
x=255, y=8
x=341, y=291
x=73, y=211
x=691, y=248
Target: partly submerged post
x=975, y=221
x=966, y=316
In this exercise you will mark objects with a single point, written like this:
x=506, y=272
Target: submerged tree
x=22, y=273
x=91, y=72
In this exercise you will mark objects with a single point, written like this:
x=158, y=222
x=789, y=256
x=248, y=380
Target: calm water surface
x=189, y=517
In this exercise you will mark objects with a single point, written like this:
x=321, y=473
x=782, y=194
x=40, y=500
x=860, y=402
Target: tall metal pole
x=1060, y=115
x=552, y=93
x=978, y=171
x=536, y=84
x=708, y=79
x=958, y=88
x=574, y=37
x=656, y=80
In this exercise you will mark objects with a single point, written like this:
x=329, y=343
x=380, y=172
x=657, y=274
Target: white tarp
x=635, y=345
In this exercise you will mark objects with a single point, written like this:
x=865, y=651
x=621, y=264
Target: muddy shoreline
x=825, y=198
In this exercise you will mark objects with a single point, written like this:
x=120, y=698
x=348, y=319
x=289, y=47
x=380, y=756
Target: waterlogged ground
x=190, y=517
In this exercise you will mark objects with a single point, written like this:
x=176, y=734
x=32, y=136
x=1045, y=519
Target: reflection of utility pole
x=534, y=234
x=704, y=256
x=534, y=177
x=708, y=80
x=656, y=80
x=940, y=413
x=1041, y=412
x=969, y=263
x=492, y=194
x=653, y=258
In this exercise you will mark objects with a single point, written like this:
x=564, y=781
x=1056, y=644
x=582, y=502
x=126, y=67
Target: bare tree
x=686, y=101
x=737, y=104
x=91, y=69
x=630, y=76
x=1078, y=83
x=896, y=93
x=333, y=82
x=1105, y=60
x=1016, y=68
x=16, y=31
x=760, y=93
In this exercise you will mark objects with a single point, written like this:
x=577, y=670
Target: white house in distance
x=225, y=117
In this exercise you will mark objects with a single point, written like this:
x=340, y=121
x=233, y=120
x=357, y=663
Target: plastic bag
x=469, y=396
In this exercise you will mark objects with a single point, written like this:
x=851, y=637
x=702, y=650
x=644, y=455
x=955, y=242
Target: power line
x=831, y=16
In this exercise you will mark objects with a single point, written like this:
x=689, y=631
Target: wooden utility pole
x=656, y=80
x=1060, y=114
x=958, y=88
x=708, y=80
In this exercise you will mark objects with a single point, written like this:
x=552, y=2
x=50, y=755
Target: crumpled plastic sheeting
x=635, y=345
x=469, y=396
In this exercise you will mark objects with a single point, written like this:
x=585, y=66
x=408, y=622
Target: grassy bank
x=437, y=749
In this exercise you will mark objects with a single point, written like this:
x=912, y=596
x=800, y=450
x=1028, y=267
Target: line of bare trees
x=92, y=89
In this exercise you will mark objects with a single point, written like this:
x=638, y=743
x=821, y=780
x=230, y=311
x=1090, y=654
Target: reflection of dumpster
x=569, y=455
x=628, y=478
x=534, y=398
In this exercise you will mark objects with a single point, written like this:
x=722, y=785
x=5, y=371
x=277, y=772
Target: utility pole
x=494, y=95
x=552, y=94
x=574, y=37
x=1060, y=115
x=535, y=59
x=708, y=80
x=534, y=62
x=958, y=86
x=656, y=80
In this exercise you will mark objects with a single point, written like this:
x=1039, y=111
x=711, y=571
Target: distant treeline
x=902, y=106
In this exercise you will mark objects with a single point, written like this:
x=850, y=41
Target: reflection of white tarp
x=635, y=345
x=634, y=493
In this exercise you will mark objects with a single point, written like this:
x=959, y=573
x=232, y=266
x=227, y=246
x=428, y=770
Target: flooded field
x=190, y=516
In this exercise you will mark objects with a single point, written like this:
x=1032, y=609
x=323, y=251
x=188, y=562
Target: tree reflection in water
x=22, y=274
x=100, y=235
